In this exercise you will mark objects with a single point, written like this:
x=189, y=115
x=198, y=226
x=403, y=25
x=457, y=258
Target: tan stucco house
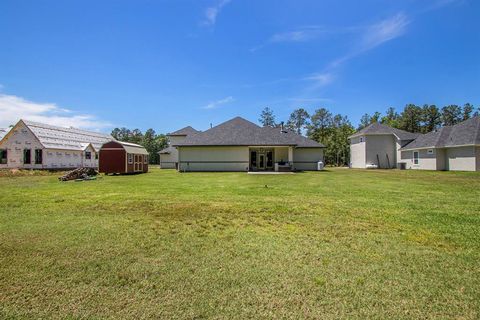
x=378, y=146
x=448, y=148
x=240, y=145
x=169, y=155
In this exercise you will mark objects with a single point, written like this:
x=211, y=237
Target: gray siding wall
x=461, y=158
x=477, y=156
x=381, y=145
x=167, y=161
x=213, y=158
x=307, y=158
x=357, y=153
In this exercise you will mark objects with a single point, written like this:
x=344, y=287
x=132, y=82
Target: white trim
x=418, y=158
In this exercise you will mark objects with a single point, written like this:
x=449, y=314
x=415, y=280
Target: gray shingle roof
x=241, y=132
x=464, y=133
x=378, y=128
x=184, y=132
x=167, y=150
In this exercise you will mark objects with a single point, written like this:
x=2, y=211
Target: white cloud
x=13, y=108
x=211, y=13
x=216, y=104
x=375, y=35
x=300, y=35
x=320, y=79
x=384, y=31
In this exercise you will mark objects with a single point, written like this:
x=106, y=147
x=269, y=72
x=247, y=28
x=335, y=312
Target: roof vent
x=282, y=129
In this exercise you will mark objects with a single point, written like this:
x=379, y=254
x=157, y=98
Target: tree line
x=333, y=130
x=421, y=119
x=152, y=141
x=330, y=129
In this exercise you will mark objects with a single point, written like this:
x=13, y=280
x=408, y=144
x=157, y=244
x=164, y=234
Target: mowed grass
x=324, y=245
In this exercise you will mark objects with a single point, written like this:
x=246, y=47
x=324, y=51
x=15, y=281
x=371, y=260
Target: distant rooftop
x=378, y=128
x=184, y=132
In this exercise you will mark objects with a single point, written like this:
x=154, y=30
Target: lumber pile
x=79, y=174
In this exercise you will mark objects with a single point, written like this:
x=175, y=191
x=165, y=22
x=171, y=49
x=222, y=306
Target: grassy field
x=334, y=244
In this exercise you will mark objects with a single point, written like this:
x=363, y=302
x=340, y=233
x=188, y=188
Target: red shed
x=123, y=157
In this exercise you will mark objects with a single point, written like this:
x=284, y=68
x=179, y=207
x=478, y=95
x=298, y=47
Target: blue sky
x=168, y=64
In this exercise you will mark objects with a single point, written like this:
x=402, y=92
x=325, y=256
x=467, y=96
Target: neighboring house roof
x=378, y=128
x=241, y=132
x=132, y=147
x=167, y=150
x=53, y=137
x=184, y=132
x=464, y=133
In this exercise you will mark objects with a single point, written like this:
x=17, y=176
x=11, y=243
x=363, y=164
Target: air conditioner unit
x=320, y=165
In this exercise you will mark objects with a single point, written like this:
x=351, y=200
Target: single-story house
x=123, y=157
x=455, y=148
x=378, y=145
x=240, y=145
x=33, y=145
x=448, y=148
x=169, y=155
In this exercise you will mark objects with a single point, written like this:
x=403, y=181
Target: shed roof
x=464, y=133
x=54, y=137
x=133, y=147
x=241, y=132
x=184, y=132
x=378, y=128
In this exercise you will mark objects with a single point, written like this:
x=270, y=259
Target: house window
x=96, y=155
x=415, y=157
x=27, y=156
x=430, y=151
x=88, y=155
x=145, y=159
x=130, y=158
x=3, y=156
x=38, y=156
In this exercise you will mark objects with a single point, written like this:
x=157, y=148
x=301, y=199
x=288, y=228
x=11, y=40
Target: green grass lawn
x=334, y=244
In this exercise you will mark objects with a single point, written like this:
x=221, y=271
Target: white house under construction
x=32, y=145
